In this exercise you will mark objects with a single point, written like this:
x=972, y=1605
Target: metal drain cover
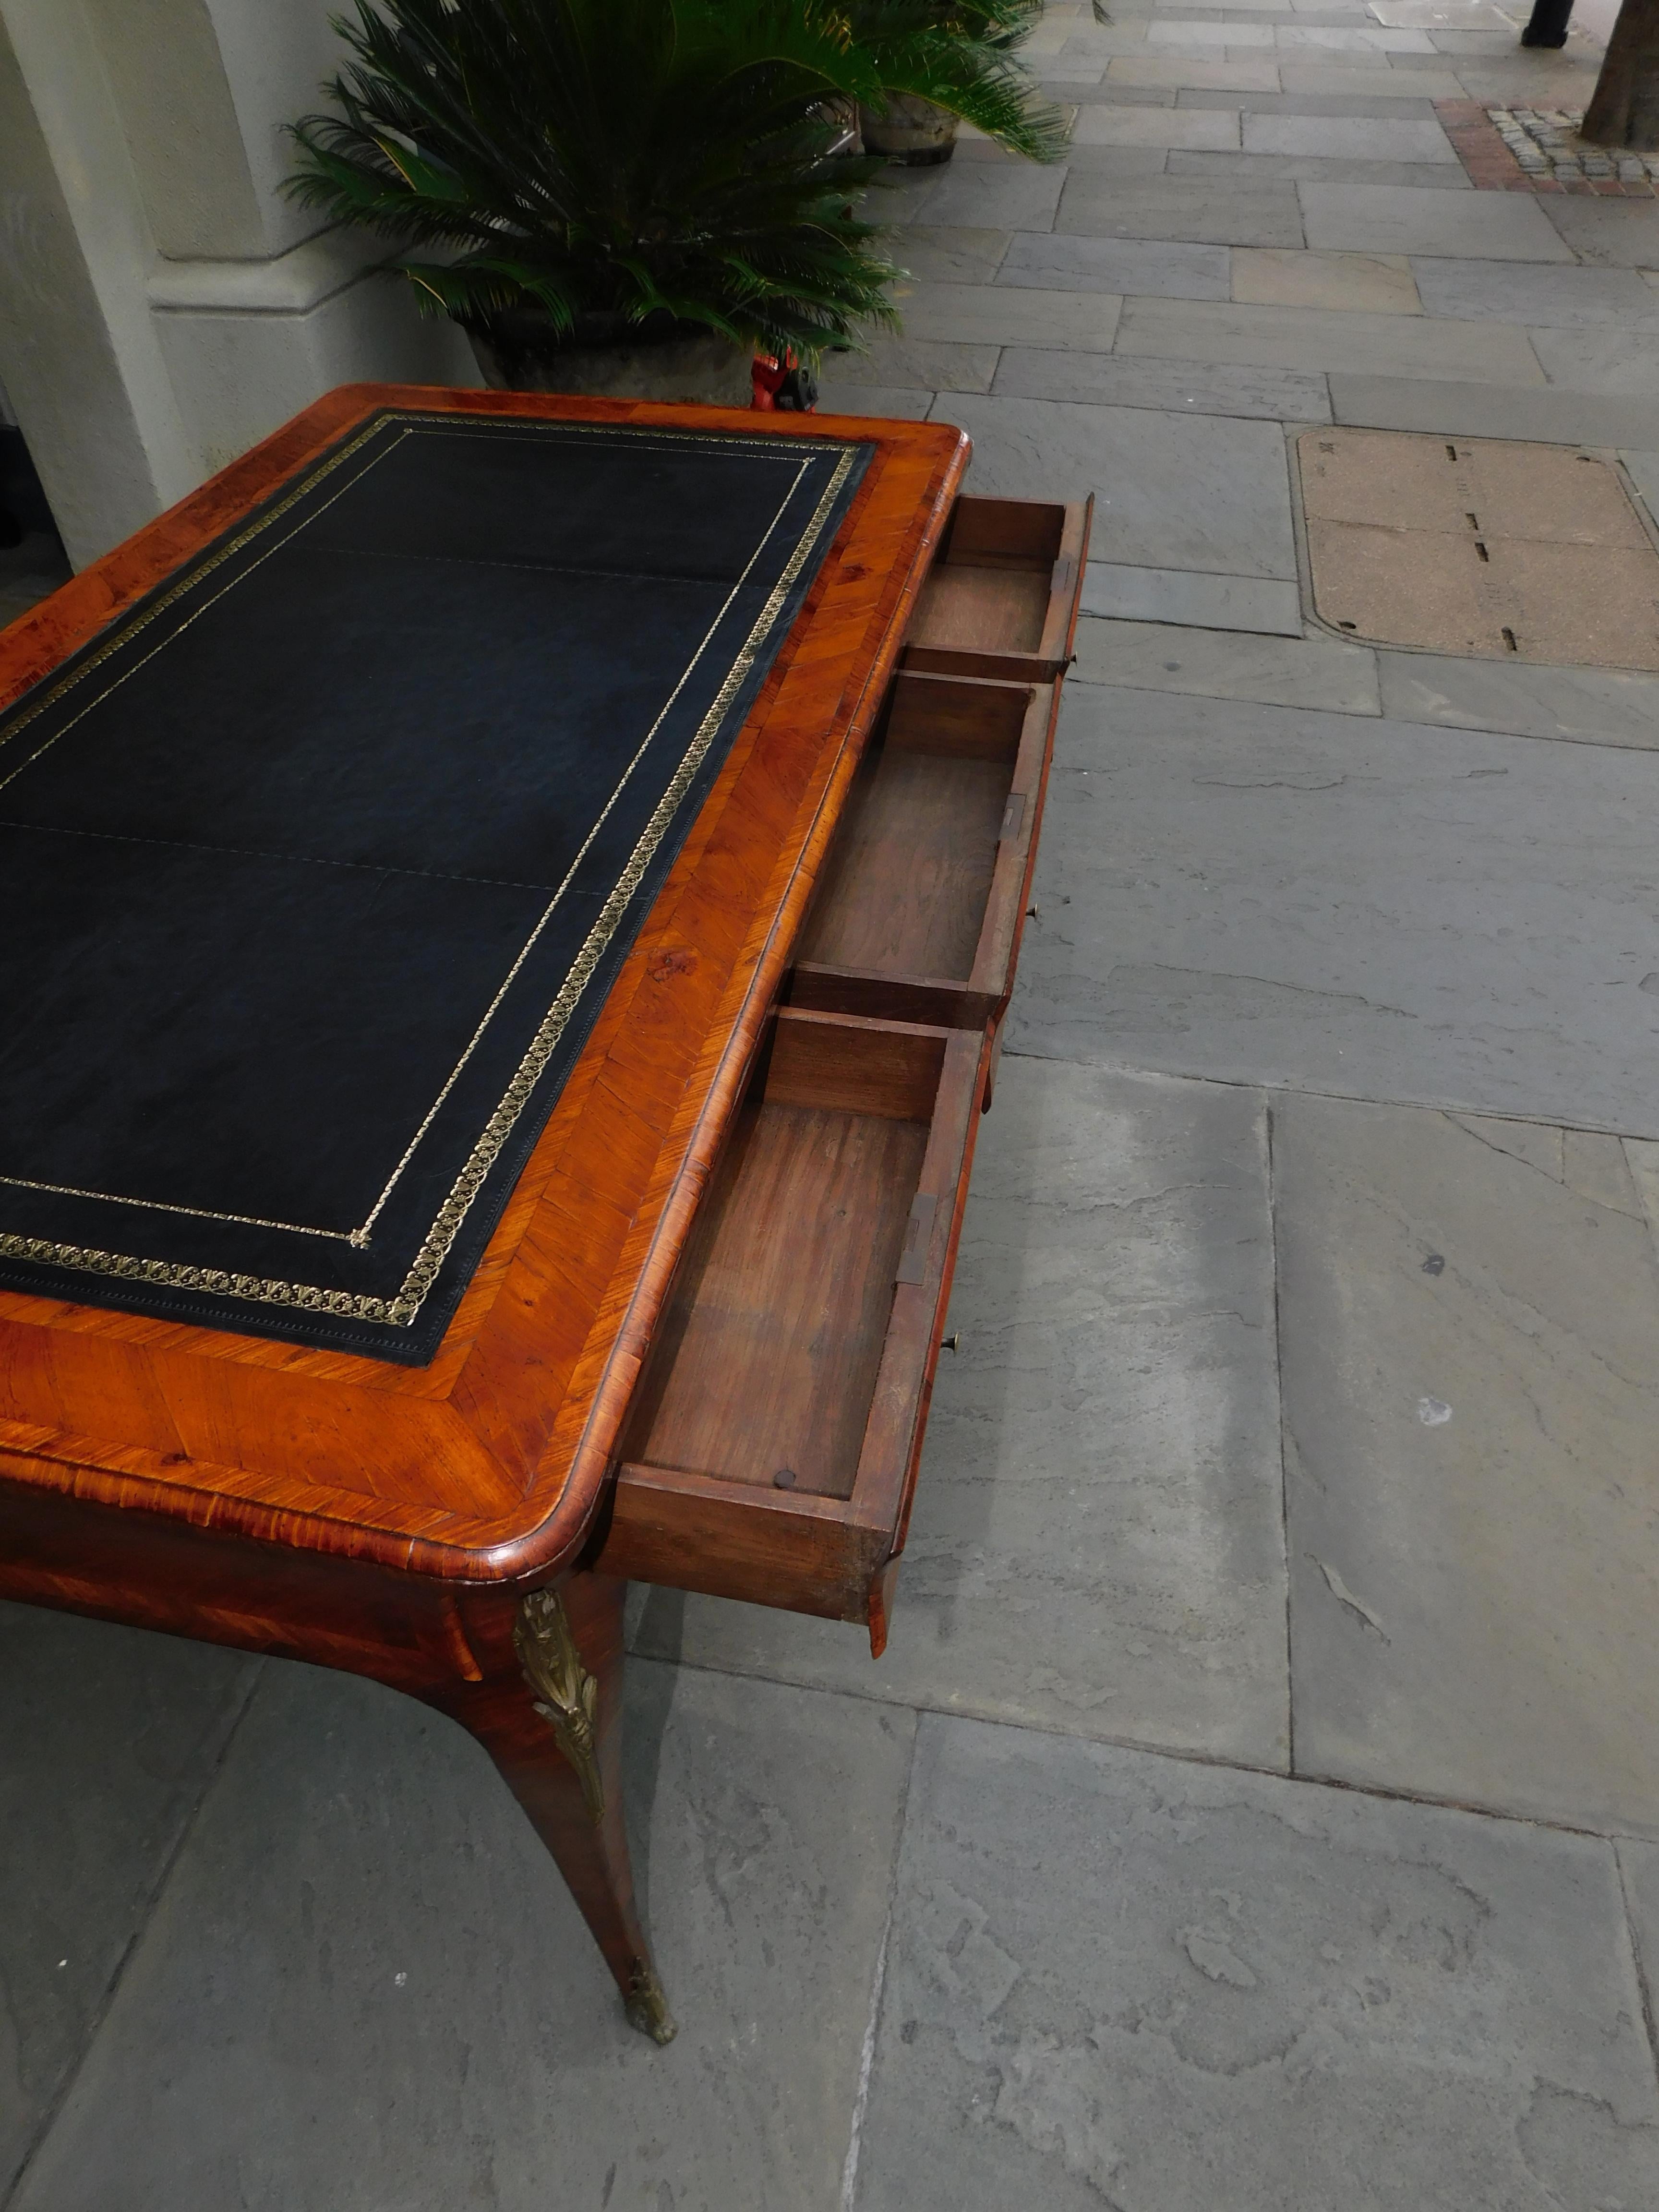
x=1481, y=546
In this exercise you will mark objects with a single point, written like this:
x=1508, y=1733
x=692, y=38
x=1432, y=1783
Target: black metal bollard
x=1548, y=23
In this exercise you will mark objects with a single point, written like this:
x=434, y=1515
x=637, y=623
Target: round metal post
x=1548, y=23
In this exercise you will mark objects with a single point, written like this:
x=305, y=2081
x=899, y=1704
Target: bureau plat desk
x=507, y=906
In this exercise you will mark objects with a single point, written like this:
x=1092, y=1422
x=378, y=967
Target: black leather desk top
x=315, y=871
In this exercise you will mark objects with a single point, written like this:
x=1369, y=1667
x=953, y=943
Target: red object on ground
x=782, y=386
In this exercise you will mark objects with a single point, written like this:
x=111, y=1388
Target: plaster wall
x=181, y=128
x=249, y=345
x=276, y=59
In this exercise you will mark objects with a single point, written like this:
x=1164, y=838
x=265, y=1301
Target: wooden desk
x=699, y=1343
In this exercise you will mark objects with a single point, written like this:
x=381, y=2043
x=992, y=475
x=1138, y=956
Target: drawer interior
x=990, y=590
x=767, y=1359
x=908, y=881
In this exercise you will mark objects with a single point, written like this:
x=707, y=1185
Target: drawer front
x=1002, y=597
x=772, y=1450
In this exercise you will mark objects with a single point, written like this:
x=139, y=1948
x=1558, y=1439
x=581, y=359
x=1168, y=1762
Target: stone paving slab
x=1590, y=706
x=1088, y=61
x=108, y=1738
x=1644, y=474
x=995, y=315
x=1279, y=671
x=1438, y=14
x=1172, y=491
x=1170, y=11
x=1095, y=1546
x=952, y=252
x=1120, y=1980
x=1499, y=43
x=1198, y=37
x=1252, y=77
x=1617, y=362
x=1157, y=126
x=1609, y=234
x=1367, y=283
x=1462, y=409
x=1359, y=906
x=928, y=364
x=1330, y=340
x=1389, y=104
x=1068, y=74
x=1638, y=1865
x=1325, y=38
x=1120, y=265
x=1347, y=138
x=366, y=1986
x=1343, y=81
x=899, y=196
x=1108, y=93
x=883, y=402
x=1317, y=169
x=974, y=146
x=1468, y=1324
x=1183, y=209
x=1382, y=219
x=1552, y=297
x=1178, y=596
x=985, y=196
x=1095, y=164
x=1265, y=394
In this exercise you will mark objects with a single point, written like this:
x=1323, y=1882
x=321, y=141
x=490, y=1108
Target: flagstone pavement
x=1257, y=1809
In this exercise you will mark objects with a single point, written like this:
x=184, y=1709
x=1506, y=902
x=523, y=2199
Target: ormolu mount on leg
x=566, y=1695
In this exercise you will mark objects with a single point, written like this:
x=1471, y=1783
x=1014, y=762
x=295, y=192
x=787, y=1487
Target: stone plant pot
x=615, y=360
x=912, y=130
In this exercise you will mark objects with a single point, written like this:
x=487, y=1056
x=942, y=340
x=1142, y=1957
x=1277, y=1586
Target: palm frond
x=620, y=158
x=963, y=55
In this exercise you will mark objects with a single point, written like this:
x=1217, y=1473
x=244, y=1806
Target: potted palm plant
x=639, y=196
x=946, y=62
x=631, y=195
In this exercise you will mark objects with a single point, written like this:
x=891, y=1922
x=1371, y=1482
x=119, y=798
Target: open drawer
x=918, y=912
x=1001, y=597
x=772, y=1445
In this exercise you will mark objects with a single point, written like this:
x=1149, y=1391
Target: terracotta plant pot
x=615, y=360
x=912, y=130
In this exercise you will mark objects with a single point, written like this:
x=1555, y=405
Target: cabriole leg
x=550, y=1715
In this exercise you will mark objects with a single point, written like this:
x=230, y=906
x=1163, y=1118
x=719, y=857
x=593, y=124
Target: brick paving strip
x=1530, y=150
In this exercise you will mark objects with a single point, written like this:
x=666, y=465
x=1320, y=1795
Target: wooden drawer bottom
x=918, y=914
x=1001, y=601
x=771, y=1452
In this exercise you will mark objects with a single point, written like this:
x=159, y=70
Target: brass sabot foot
x=647, y=2007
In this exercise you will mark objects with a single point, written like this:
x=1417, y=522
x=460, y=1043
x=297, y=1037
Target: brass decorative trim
x=646, y=2006
x=566, y=1695
x=403, y=1309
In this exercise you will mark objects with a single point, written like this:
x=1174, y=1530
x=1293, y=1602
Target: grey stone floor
x=1258, y=1805
x=28, y=572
